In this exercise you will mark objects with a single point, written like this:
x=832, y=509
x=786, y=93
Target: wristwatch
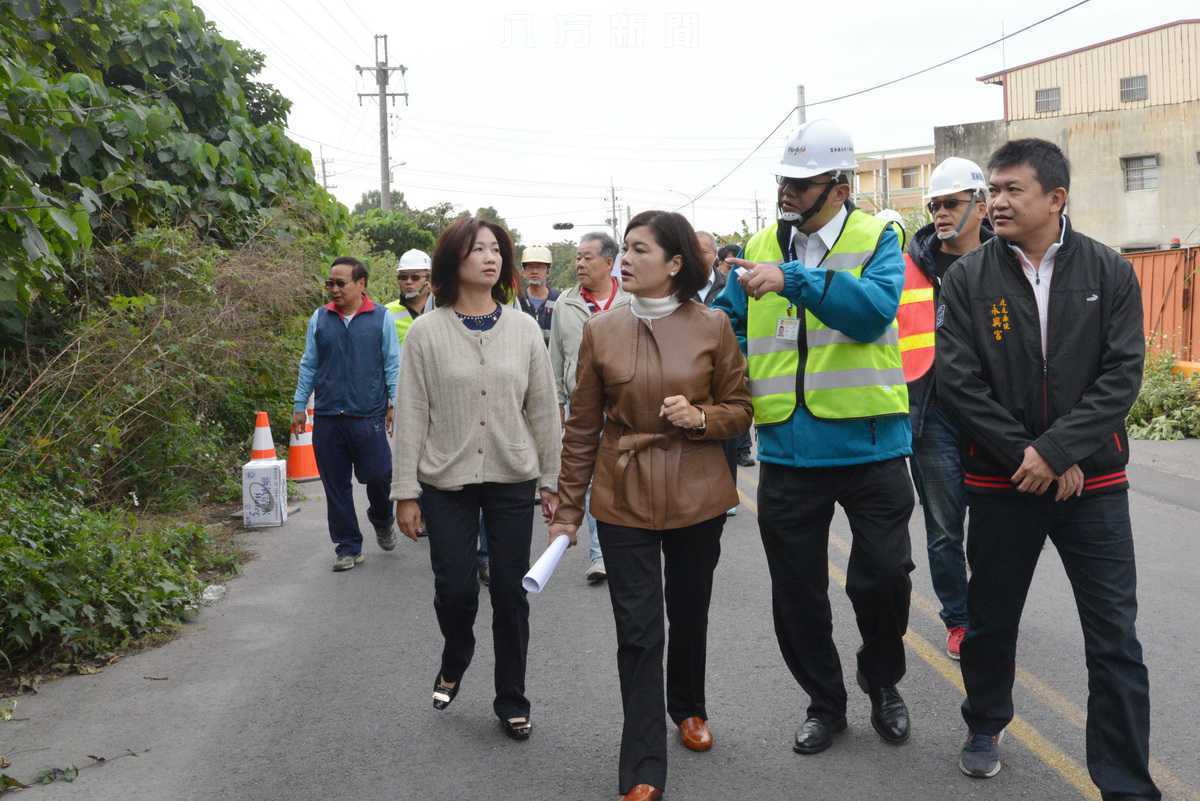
x=700, y=429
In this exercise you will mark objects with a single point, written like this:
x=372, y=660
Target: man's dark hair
x=453, y=247
x=359, y=273
x=675, y=236
x=1049, y=164
x=728, y=251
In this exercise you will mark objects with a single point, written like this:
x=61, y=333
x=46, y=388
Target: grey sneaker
x=596, y=572
x=346, y=562
x=732, y=512
x=386, y=537
x=980, y=756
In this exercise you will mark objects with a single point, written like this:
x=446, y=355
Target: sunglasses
x=409, y=276
x=330, y=283
x=949, y=204
x=799, y=184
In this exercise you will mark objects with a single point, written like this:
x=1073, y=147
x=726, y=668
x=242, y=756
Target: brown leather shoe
x=642, y=792
x=695, y=734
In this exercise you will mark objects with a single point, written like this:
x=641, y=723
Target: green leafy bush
x=1168, y=406
x=75, y=582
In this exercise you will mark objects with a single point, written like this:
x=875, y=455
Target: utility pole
x=613, y=221
x=758, y=220
x=801, y=113
x=324, y=177
x=382, y=73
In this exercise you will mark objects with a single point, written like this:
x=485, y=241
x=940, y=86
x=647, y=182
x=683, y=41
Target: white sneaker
x=596, y=572
x=732, y=512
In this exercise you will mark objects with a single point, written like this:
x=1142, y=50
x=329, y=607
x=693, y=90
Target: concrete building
x=1127, y=114
x=893, y=179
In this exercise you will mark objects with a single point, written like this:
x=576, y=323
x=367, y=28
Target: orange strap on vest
x=916, y=317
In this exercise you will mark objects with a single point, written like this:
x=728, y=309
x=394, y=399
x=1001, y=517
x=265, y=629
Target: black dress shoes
x=816, y=734
x=889, y=714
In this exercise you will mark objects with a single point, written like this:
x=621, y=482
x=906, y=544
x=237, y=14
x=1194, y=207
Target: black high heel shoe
x=518, y=728
x=443, y=694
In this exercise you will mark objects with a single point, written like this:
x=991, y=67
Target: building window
x=1134, y=89
x=910, y=178
x=1141, y=172
x=1047, y=101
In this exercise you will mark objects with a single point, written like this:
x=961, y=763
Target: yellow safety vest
x=844, y=379
x=403, y=317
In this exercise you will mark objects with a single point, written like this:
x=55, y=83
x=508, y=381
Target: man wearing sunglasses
x=815, y=308
x=352, y=362
x=958, y=209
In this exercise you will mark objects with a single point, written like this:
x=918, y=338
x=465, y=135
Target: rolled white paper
x=539, y=575
x=740, y=271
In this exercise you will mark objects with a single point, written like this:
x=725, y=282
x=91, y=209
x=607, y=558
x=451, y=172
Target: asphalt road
x=304, y=684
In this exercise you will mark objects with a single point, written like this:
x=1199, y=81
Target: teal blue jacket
x=858, y=308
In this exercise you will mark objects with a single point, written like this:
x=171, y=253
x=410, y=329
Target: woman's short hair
x=675, y=236
x=452, y=249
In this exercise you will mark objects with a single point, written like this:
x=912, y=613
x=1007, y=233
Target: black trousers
x=637, y=584
x=452, y=520
x=730, y=447
x=795, y=507
x=1094, y=539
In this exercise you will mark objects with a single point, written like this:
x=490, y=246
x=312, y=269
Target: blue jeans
x=938, y=476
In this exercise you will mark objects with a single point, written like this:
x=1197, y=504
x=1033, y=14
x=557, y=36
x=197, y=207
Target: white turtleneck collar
x=654, y=308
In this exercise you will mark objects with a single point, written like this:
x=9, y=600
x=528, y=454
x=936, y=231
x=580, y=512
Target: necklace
x=480, y=322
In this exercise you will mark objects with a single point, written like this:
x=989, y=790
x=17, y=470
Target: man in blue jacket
x=352, y=361
x=831, y=407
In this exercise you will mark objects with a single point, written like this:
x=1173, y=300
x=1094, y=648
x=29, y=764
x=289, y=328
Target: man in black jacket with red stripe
x=1039, y=357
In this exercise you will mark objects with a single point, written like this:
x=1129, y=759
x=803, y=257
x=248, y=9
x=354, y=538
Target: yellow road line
x=1171, y=785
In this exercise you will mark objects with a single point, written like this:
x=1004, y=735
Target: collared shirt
x=1039, y=277
x=390, y=352
x=708, y=285
x=809, y=249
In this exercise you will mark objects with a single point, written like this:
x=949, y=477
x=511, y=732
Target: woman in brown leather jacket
x=660, y=384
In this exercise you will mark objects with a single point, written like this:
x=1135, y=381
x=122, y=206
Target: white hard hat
x=818, y=147
x=891, y=215
x=956, y=175
x=537, y=254
x=414, y=260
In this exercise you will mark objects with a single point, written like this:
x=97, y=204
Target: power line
x=349, y=36
x=353, y=13
x=892, y=82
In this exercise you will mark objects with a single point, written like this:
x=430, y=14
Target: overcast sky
x=532, y=107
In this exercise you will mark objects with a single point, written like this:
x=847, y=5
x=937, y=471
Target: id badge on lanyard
x=788, y=328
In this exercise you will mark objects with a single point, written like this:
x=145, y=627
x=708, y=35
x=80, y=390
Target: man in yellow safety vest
x=416, y=296
x=815, y=309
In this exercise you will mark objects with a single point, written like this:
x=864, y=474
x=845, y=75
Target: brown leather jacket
x=645, y=472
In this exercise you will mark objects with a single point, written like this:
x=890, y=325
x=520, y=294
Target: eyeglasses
x=330, y=283
x=949, y=204
x=799, y=184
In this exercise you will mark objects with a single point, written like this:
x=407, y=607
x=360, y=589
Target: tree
x=562, y=271
x=490, y=214
x=392, y=232
x=370, y=200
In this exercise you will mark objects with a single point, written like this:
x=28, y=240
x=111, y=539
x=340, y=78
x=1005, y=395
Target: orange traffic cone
x=302, y=459
x=262, y=446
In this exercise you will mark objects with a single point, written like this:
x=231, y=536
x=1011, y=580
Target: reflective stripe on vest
x=843, y=379
x=403, y=318
x=916, y=318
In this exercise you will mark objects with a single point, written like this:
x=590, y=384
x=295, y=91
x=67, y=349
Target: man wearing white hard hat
x=958, y=207
x=539, y=298
x=815, y=308
x=416, y=296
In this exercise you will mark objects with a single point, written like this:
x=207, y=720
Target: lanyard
x=592, y=302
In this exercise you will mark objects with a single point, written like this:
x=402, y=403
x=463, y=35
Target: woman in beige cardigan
x=477, y=430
